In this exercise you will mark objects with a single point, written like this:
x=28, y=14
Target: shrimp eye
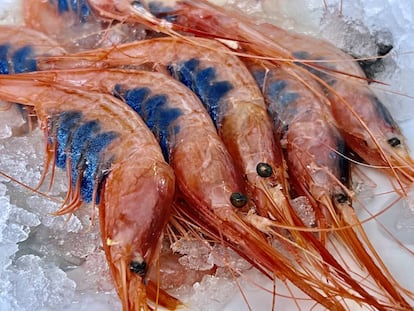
x=238, y=199
x=264, y=170
x=394, y=142
x=139, y=268
x=341, y=198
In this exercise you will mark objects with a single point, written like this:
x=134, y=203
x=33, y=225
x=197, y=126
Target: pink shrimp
x=186, y=131
x=314, y=151
x=112, y=160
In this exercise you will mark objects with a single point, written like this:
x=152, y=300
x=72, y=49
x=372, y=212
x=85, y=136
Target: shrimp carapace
x=111, y=158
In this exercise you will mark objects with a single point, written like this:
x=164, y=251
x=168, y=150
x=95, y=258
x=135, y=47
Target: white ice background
x=51, y=263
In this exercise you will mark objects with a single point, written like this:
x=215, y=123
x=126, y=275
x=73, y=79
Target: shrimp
x=314, y=148
x=365, y=123
x=181, y=124
x=75, y=26
x=113, y=160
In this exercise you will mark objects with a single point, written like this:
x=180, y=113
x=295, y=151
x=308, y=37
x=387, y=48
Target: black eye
x=238, y=199
x=139, y=268
x=394, y=142
x=341, y=198
x=264, y=170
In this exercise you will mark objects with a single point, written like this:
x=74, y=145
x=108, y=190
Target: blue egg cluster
x=155, y=111
x=82, y=143
x=203, y=83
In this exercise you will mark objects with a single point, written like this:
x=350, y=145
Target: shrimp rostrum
x=112, y=161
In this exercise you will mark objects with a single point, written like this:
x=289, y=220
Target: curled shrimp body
x=314, y=151
x=113, y=160
x=205, y=174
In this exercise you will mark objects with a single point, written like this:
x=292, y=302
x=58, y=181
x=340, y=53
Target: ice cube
x=39, y=284
x=11, y=12
x=212, y=293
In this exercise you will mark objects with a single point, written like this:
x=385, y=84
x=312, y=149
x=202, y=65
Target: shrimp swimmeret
x=112, y=160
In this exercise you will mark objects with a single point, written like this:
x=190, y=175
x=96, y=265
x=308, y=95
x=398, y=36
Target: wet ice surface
x=51, y=263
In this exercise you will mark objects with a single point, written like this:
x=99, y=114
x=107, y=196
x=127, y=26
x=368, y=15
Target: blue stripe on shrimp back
x=66, y=122
x=79, y=7
x=24, y=60
x=320, y=73
x=4, y=64
x=18, y=61
x=63, y=6
x=91, y=170
x=78, y=143
x=276, y=91
x=203, y=82
x=83, y=143
x=155, y=111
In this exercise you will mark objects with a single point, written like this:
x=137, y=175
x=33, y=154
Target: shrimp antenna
x=32, y=189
